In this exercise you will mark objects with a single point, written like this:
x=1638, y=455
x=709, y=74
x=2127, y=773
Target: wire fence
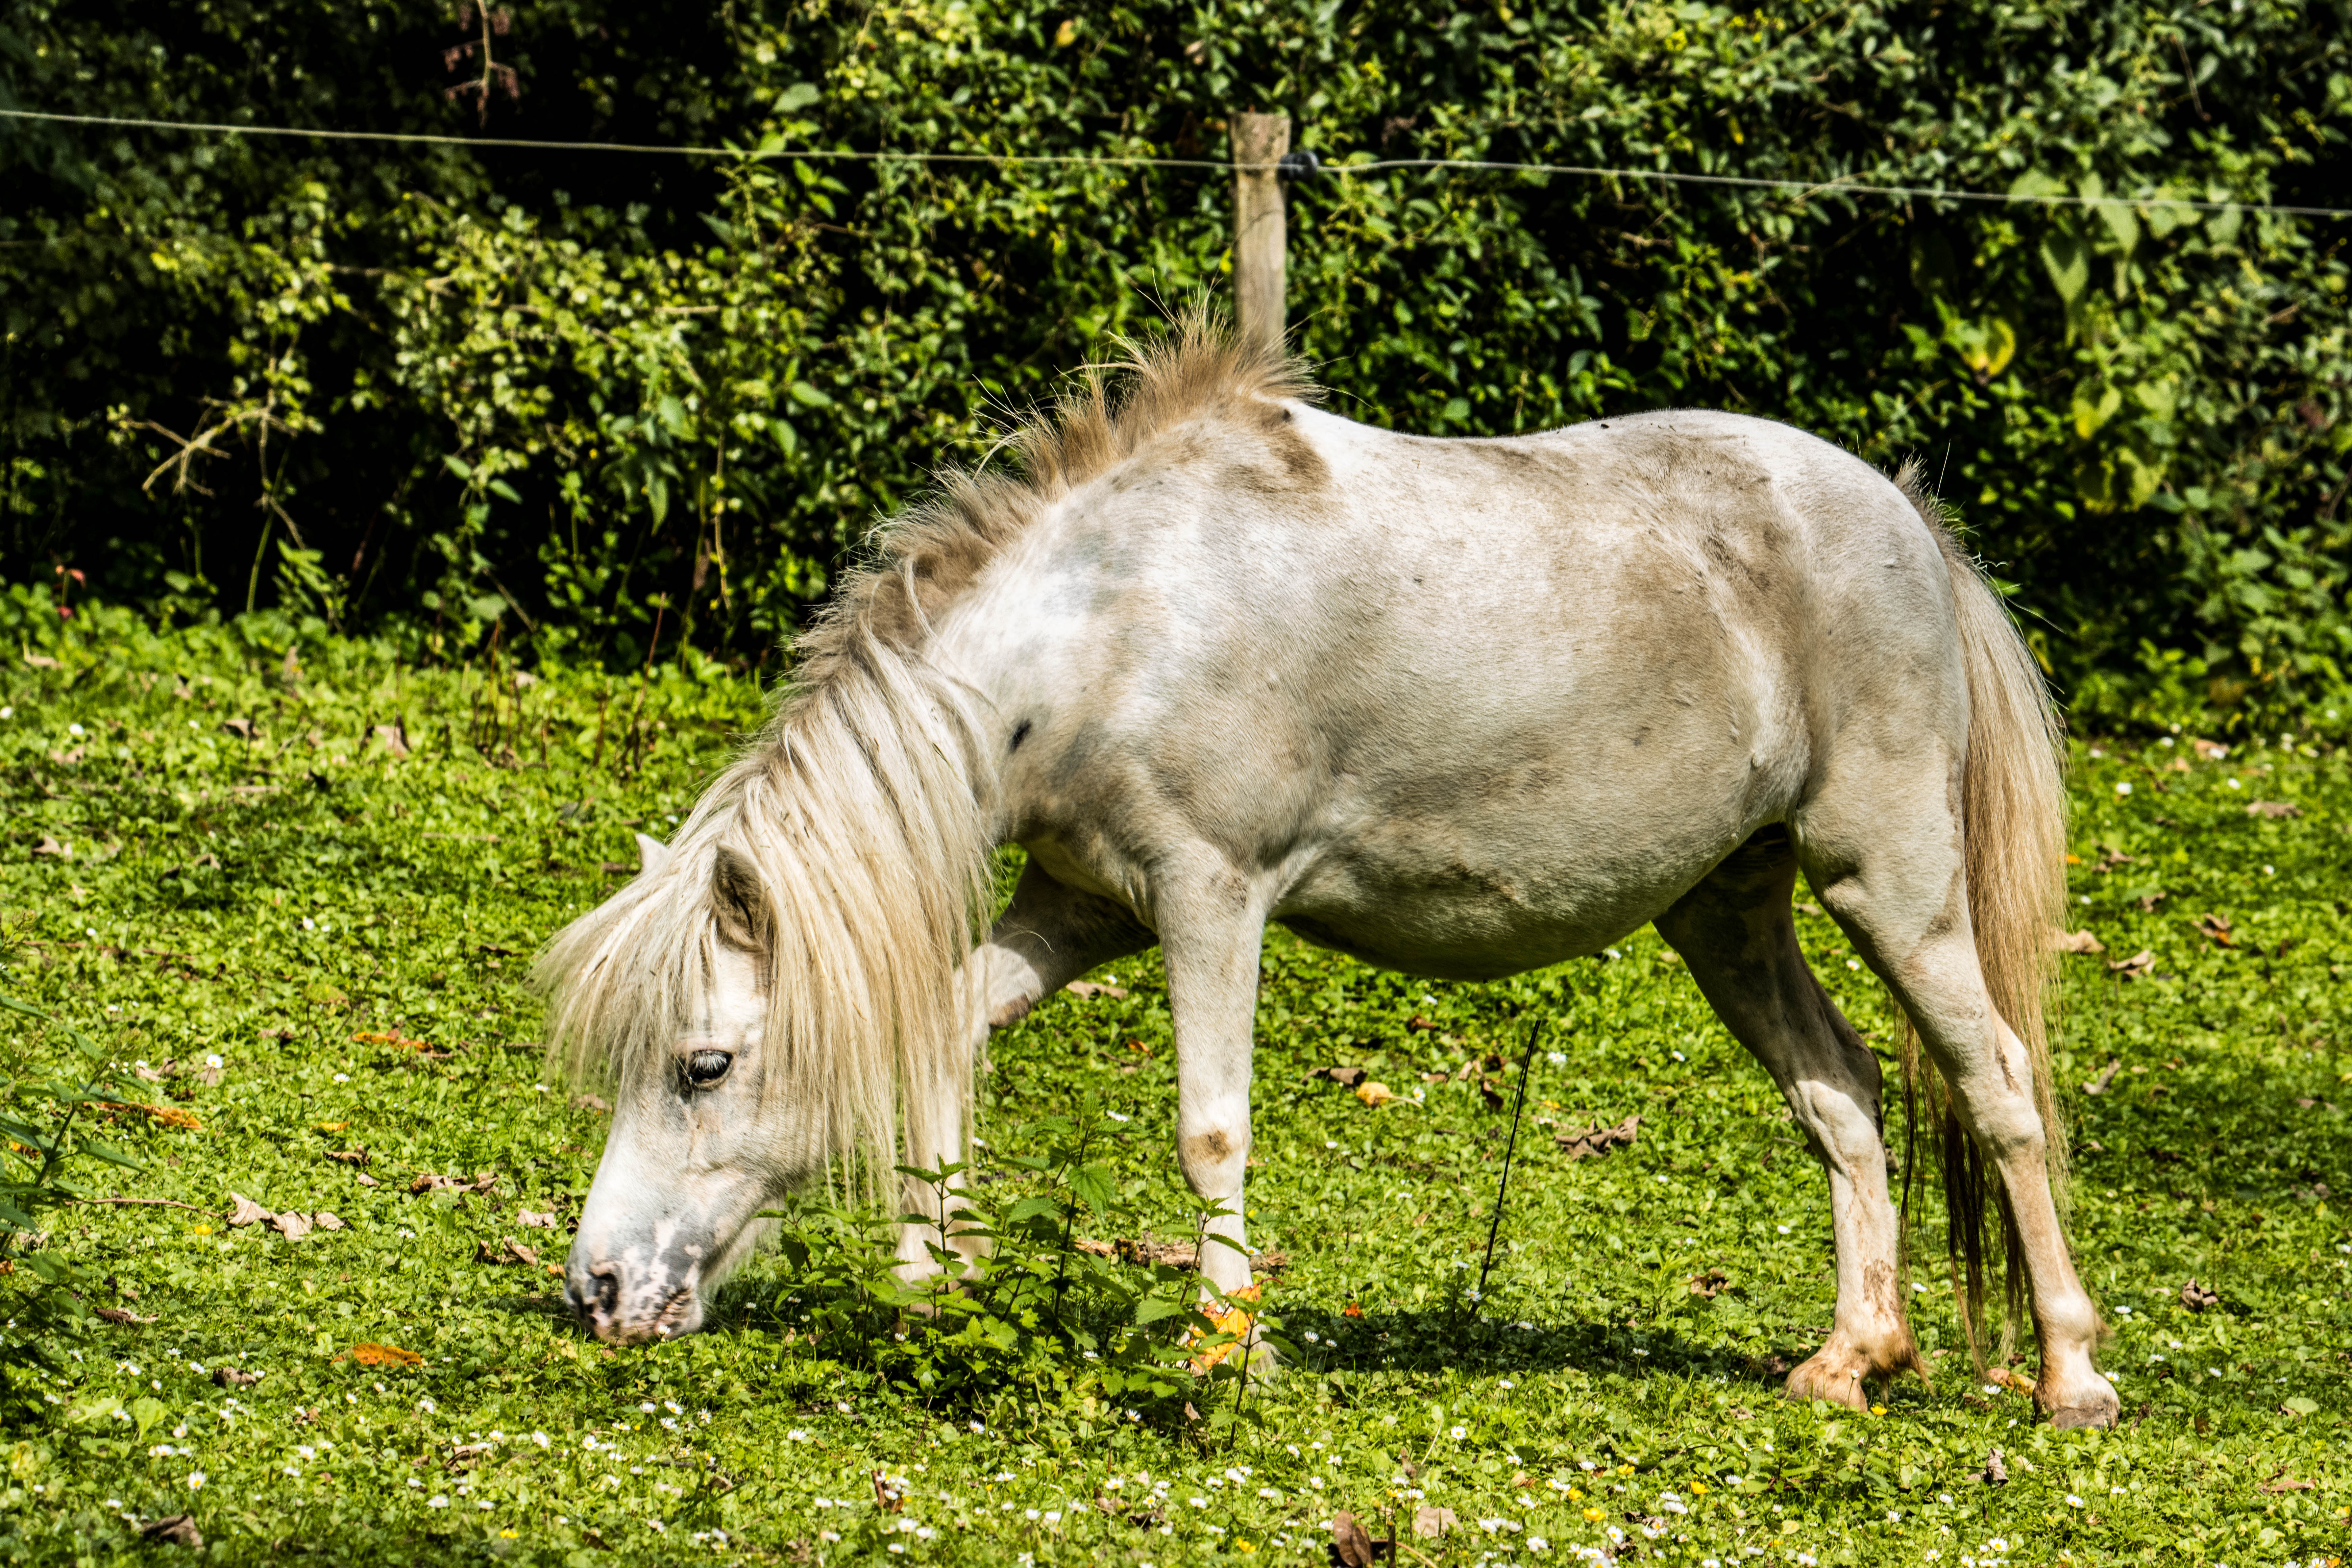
x=1308, y=167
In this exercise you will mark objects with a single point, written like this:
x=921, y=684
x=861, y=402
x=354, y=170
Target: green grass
x=268, y=900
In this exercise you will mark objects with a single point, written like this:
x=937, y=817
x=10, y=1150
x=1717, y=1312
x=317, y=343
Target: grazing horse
x=1213, y=657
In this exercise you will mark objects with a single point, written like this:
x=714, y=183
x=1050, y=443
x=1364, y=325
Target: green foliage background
x=603, y=397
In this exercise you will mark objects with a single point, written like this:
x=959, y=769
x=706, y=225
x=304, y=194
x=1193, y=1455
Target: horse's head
x=706, y=1131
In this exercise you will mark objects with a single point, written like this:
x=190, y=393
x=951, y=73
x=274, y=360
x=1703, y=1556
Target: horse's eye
x=704, y=1068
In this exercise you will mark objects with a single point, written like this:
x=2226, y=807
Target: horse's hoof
x=2102, y=1409
x=1839, y=1379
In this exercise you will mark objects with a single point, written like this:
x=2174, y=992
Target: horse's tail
x=2013, y=816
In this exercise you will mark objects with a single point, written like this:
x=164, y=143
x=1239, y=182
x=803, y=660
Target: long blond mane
x=863, y=805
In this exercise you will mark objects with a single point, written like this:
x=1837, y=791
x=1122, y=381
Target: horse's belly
x=1476, y=916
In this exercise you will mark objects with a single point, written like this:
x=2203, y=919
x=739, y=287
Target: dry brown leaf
x=229, y=1377
x=2218, y=928
x=535, y=1221
x=42, y=661
x=1346, y=1077
x=180, y=1529
x=2272, y=809
x=121, y=1317
x=1433, y=1522
x=2077, y=941
x=49, y=846
x=2099, y=1084
x=357, y=1157
x=2196, y=1298
x=325, y=1221
x=2138, y=966
x=372, y=1354
x=1598, y=1141
x=395, y=739
x=243, y=1210
x=2008, y=1378
x=293, y=1227
x=505, y=1250
x=366, y=1180
x=1085, y=988
x=592, y=1102
x=1374, y=1093
x=1709, y=1284
x=1348, y=1542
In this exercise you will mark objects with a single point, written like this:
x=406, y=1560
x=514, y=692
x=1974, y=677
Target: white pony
x=1459, y=708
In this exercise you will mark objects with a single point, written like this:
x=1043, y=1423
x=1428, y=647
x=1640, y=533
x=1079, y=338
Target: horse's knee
x=1214, y=1155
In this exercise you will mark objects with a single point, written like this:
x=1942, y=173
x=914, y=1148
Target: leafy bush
x=56, y=1083
x=1034, y=1322
x=611, y=401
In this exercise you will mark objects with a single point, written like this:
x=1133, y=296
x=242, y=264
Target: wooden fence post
x=1259, y=229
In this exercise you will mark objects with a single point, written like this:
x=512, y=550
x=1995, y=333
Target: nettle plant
x=1035, y=1323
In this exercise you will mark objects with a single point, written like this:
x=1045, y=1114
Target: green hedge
x=584, y=396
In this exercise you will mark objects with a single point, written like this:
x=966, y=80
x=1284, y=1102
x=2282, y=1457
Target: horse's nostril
x=594, y=1298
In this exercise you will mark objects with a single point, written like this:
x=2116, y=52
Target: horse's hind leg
x=1880, y=845
x=1735, y=932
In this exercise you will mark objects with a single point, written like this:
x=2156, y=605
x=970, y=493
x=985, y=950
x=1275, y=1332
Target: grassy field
x=312, y=948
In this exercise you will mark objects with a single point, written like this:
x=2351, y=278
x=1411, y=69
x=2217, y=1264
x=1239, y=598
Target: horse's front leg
x=1210, y=936
x=1048, y=936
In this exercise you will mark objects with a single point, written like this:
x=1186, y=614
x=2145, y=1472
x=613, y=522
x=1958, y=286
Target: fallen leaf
x=2099, y=1084
x=1419, y=1023
x=229, y=1377
x=1346, y=1077
x=148, y=1075
x=593, y=1102
x=121, y=1317
x=241, y=728
x=1228, y=1319
x=366, y=1180
x=49, y=846
x=2196, y=1297
x=1996, y=1474
x=2137, y=967
x=2077, y=941
x=42, y=661
x=1597, y=1140
x=2218, y=928
x=325, y=1221
x=507, y=1250
x=1709, y=1284
x=1433, y=1522
x=1093, y=988
x=180, y=1530
x=2288, y=1485
x=1350, y=1544
x=2272, y=809
x=2147, y=902
x=539, y=1221
x=395, y=740
x=1374, y=1093
x=2009, y=1379
x=293, y=1227
x=372, y=1354
x=243, y=1210
x=889, y=1491
x=357, y=1157
x=169, y=1115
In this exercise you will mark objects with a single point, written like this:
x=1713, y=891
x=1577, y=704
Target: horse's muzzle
x=622, y=1311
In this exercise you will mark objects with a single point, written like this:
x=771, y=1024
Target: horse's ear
x=653, y=855
x=740, y=900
